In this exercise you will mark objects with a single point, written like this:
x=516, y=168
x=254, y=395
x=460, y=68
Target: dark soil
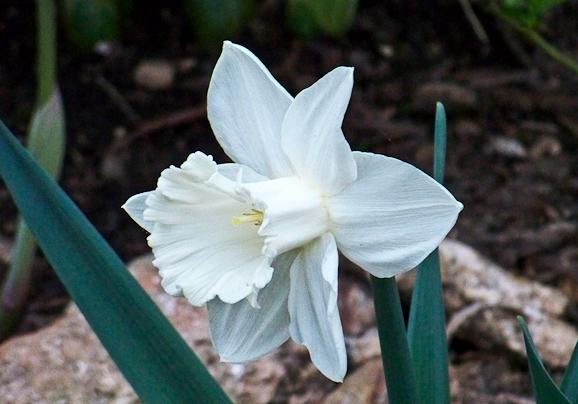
x=512, y=115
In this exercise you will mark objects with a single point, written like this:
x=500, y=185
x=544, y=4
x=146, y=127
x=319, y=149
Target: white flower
x=257, y=240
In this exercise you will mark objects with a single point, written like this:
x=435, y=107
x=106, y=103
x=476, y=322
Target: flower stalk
x=46, y=139
x=397, y=365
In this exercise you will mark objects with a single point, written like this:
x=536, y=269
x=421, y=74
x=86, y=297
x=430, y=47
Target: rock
x=66, y=363
x=364, y=348
x=365, y=386
x=507, y=147
x=154, y=74
x=546, y=146
x=475, y=381
x=467, y=129
x=476, y=279
x=63, y=363
x=455, y=97
x=483, y=300
x=355, y=305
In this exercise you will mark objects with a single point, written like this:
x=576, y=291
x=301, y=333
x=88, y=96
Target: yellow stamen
x=255, y=217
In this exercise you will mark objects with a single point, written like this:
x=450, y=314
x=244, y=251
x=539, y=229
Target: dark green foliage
x=426, y=329
x=217, y=20
x=332, y=17
x=545, y=390
x=89, y=22
x=529, y=13
x=569, y=384
x=397, y=365
x=146, y=348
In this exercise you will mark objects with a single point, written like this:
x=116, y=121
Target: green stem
x=16, y=287
x=397, y=367
x=15, y=290
x=550, y=50
x=46, y=43
x=538, y=40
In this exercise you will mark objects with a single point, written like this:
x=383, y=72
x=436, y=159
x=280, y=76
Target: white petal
x=392, y=217
x=294, y=214
x=312, y=136
x=198, y=251
x=241, y=332
x=135, y=207
x=240, y=173
x=245, y=107
x=315, y=320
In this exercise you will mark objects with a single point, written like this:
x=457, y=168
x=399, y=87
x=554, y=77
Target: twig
x=117, y=98
x=474, y=22
x=462, y=316
x=538, y=40
x=168, y=121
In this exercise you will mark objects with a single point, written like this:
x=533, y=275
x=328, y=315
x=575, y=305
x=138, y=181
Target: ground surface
x=513, y=120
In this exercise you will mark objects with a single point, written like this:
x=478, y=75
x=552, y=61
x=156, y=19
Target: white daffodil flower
x=257, y=240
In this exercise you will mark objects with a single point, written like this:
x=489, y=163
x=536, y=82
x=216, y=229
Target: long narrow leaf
x=144, y=345
x=569, y=384
x=46, y=144
x=397, y=367
x=545, y=390
x=45, y=141
x=426, y=329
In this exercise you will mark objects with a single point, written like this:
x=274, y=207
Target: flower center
x=288, y=212
x=255, y=217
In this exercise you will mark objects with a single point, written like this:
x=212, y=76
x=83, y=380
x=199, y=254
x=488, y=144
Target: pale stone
x=154, y=74
x=66, y=363
x=493, y=297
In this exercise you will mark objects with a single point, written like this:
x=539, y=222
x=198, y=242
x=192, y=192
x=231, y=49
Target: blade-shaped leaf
x=545, y=390
x=426, y=328
x=144, y=345
x=46, y=143
x=399, y=374
x=569, y=384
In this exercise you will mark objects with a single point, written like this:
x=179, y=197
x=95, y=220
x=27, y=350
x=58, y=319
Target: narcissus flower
x=257, y=240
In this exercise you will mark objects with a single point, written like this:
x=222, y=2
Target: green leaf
x=335, y=17
x=545, y=390
x=332, y=17
x=217, y=20
x=529, y=13
x=569, y=384
x=440, y=143
x=46, y=144
x=301, y=19
x=399, y=375
x=146, y=348
x=426, y=329
x=89, y=22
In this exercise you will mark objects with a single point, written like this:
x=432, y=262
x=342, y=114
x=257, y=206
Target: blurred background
x=133, y=77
